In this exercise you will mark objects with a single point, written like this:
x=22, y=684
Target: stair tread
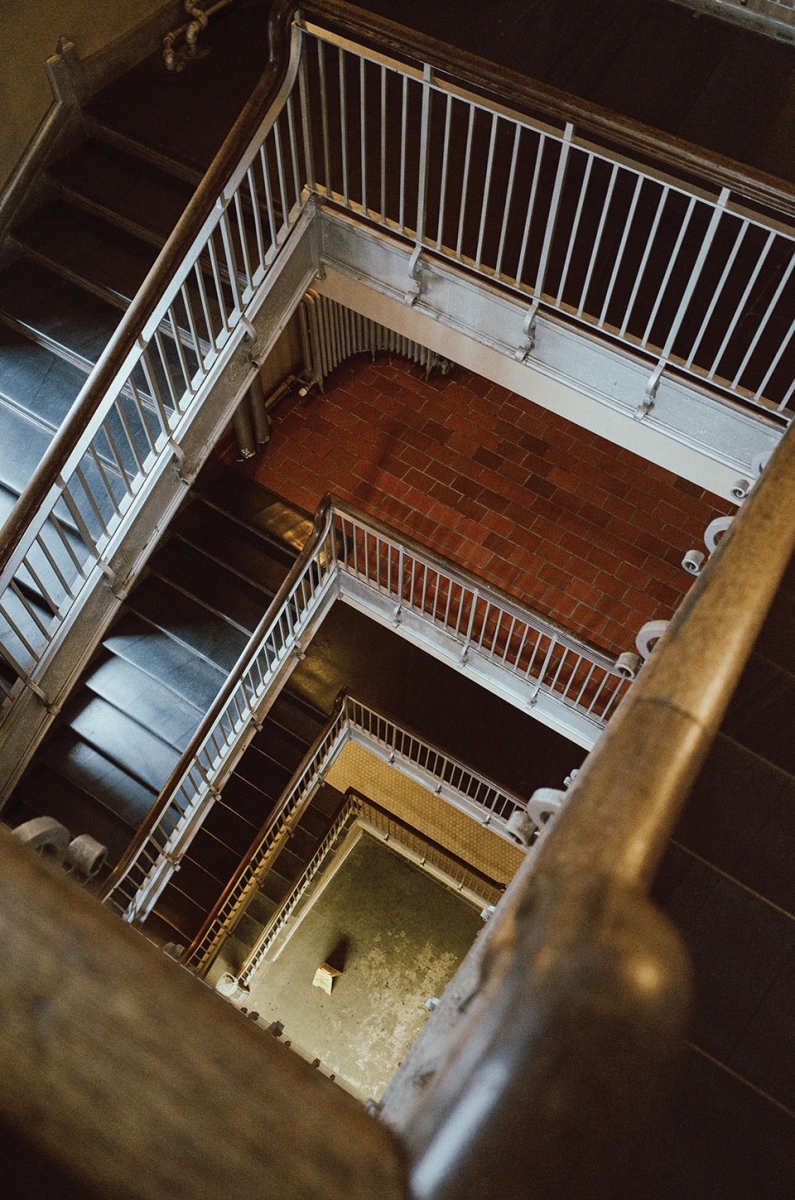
x=255, y=505
x=247, y=553
x=188, y=622
x=741, y=818
x=757, y=713
x=123, y=740
x=58, y=309
x=172, y=664
x=144, y=699
x=229, y=828
x=247, y=800
x=294, y=715
x=268, y=776
x=721, y=1140
x=52, y=794
x=180, y=912
x=743, y=952
x=216, y=858
x=279, y=744
x=203, y=889
x=196, y=573
x=90, y=770
x=89, y=247
x=124, y=184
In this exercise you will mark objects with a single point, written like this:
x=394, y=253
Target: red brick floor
x=566, y=521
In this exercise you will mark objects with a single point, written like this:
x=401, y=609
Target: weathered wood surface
x=139, y=1081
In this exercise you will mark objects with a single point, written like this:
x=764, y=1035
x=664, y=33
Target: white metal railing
x=774, y=17
x=360, y=558
x=352, y=720
x=156, y=391
x=688, y=273
x=390, y=829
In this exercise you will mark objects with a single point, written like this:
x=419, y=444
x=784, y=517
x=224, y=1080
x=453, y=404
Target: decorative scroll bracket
x=529, y=326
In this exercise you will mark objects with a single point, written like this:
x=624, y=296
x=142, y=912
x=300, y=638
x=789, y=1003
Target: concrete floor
x=397, y=935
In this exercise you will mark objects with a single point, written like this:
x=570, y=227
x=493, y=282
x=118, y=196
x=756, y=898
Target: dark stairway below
x=728, y=882
x=158, y=669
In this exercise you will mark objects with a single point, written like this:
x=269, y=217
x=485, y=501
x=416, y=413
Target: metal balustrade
x=686, y=272
x=150, y=393
x=361, y=559
x=414, y=756
x=390, y=829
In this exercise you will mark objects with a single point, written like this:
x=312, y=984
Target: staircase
x=727, y=881
x=157, y=671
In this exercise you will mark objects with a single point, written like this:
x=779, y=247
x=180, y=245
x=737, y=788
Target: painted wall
x=29, y=34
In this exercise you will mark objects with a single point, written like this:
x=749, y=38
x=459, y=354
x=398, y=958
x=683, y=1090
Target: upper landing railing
x=672, y=252
x=444, y=608
x=689, y=262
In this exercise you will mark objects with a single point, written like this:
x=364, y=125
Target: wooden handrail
x=580, y=984
x=613, y=129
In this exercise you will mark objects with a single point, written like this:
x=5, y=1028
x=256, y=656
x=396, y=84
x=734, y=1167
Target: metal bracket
x=528, y=334
x=251, y=333
x=397, y=615
x=464, y=655
x=258, y=725
x=415, y=279
x=647, y=404
x=299, y=651
x=179, y=455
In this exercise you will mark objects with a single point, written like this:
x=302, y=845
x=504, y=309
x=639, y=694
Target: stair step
x=722, y=1141
x=213, y=856
x=144, y=699
x=51, y=794
x=297, y=717
x=58, y=310
x=90, y=770
x=253, y=505
x=124, y=186
x=21, y=620
x=327, y=800
x=22, y=442
x=260, y=908
x=230, y=828
x=123, y=740
x=304, y=843
x=760, y=710
x=743, y=952
x=161, y=932
x=278, y=744
x=247, y=800
x=188, y=622
x=315, y=824
x=203, y=889
x=88, y=248
x=741, y=818
x=173, y=665
x=261, y=562
x=179, y=912
x=275, y=887
x=200, y=576
x=248, y=930
x=265, y=774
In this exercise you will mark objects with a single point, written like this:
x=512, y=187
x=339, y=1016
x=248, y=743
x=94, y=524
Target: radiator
x=330, y=333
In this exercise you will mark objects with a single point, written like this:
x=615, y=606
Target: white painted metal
x=660, y=236
x=526, y=658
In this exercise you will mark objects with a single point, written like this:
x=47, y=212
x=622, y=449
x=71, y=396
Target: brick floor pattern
x=572, y=525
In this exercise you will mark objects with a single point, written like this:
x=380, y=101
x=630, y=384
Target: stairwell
x=75, y=263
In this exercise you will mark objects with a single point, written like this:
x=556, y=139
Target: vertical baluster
x=763, y=324
x=254, y=197
x=219, y=290
x=212, y=337
x=718, y=292
x=517, y=132
x=465, y=182
x=597, y=240
x=293, y=146
x=231, y=261
x=240, y=219
x=644, y=260
x=277, y=145
x=321, y=62
x=542, y=142
x=183, y=362
x=343, y=126
x=363, y=131
x=486, y=190
x=404, y=112
x=383, y=145
x=669, y=271
x=445, y=169
x=306, y=113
